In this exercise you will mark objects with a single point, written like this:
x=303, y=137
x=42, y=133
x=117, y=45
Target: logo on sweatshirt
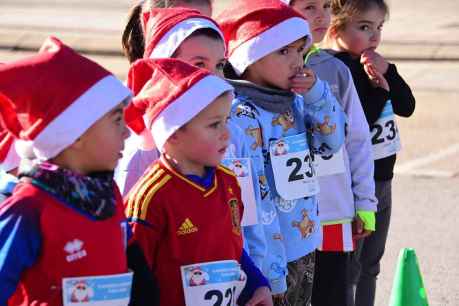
x=74, y=250
x=187, y=227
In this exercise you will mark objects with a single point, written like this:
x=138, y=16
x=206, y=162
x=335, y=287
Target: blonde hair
x=343, y=11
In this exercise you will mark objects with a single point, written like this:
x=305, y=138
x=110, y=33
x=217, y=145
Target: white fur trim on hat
x=76, y=119
x=286, y=1
x=186, y=107
x=175, y=36
x=273, y=39
x=11, y=160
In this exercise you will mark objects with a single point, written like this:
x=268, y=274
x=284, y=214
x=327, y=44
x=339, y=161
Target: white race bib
x=294, y=174
x=217, y=283
x=384, y=134
x=330, y=164
x=107, y=290
x=243, y=170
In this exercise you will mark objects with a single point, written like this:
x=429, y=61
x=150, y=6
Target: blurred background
x=421, y=37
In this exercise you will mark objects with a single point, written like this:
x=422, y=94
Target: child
x=184, y=234
x=179, y=33
x=170, y=35
x=65, y=218
x=266, y=42
x=349, y=173
x=355, y=33
x=9, y=162
x=133, y=39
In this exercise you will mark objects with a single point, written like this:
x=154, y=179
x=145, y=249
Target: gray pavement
x=421, y=37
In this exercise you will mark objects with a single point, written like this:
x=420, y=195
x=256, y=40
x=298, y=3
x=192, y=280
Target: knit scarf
x=93, y=195
x=272, y=100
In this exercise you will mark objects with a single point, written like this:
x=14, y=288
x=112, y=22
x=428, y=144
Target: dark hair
x=344, y=10
x=133, y=39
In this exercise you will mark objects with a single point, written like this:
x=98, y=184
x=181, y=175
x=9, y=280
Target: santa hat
x=168, y=94
x=256, y=28
x=55, y=96
x=165, y=29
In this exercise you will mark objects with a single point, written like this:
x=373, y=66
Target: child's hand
x=374, y=58
x=358, y=232
x=376, y=78
x=262, y=297
x=303, y=81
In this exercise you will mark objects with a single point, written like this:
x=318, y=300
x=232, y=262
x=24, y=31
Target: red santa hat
x=165, y=29
x=55, y=96
x=256, y=28
x=168, y=94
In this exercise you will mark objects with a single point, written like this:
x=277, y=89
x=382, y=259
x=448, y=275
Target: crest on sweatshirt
x=235, y=215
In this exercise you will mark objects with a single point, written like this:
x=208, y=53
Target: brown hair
x=133, y=39
x=344, y=10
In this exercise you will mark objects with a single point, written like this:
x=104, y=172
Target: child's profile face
x=203, y=141
x=318, y=15
x=204, y=52
x=277, y=69
x=362, y=32
x=101, y=145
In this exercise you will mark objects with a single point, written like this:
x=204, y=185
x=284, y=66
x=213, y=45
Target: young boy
x=186, y=209
x=349, y=173
x=267, y=40
x=63, y=231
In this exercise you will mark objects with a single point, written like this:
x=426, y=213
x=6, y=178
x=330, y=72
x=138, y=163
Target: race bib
x=112, y=290
x=243, y=170
x=384, y=134
x=329, y=164
x=217, y=283
x=294, y=174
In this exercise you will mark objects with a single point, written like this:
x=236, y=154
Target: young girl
x=173, y=32
x=349, y=173
x=133, y=39
x=355, y=33
x=63, y=232
x=267, y=40
x=187, y=35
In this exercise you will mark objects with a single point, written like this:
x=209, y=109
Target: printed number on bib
x=384, y=134
x=294, y=174
x=216, y=283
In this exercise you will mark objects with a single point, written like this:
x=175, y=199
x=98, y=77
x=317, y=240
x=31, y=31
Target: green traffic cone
x=408, y=288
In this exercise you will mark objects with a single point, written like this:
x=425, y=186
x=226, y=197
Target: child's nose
x=226, y=133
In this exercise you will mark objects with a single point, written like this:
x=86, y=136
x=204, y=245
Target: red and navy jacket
x=43, y=240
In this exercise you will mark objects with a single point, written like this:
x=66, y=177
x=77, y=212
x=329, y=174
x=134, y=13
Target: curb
x=109, y=44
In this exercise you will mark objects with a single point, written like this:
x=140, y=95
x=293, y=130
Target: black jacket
x=373, y=100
